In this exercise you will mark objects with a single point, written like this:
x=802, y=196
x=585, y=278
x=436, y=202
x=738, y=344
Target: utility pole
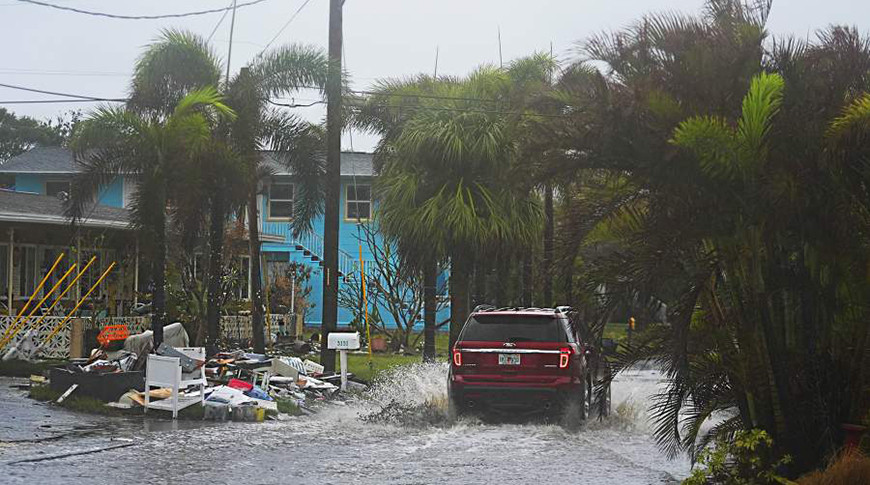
x=230, y=49
x=333, y=186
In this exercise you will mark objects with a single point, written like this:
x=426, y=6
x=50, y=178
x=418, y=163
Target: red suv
x=521, y=361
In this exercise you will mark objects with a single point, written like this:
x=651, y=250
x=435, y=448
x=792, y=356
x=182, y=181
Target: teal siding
x=348, y=241
x=30, y=183
x=111, y=195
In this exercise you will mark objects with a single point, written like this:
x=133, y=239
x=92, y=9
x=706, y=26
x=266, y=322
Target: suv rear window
x=513, y=328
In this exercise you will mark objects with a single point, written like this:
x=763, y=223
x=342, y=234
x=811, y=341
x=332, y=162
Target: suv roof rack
x=492, y=308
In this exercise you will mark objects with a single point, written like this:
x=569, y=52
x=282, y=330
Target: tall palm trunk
x=460, y=285
x=547, y=269
x=526, y=278
x=215, y=270
x=430, y=307
x=256, y=284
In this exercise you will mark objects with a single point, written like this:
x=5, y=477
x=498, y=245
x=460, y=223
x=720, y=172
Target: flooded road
x=352, y=443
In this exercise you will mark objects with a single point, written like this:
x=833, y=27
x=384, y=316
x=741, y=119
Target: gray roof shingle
x=41, y=160
x=357, y=164
x=37, y=208
x=60, y=160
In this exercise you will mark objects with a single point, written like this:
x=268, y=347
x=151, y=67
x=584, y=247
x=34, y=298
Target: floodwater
x=396, y=433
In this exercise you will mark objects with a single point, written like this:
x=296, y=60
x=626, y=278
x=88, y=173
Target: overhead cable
x=138, y=17
x=55, y=93
x=292, y=18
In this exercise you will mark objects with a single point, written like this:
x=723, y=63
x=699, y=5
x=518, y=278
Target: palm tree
x=180, y=61
x=153, y=148
x=281, y=72
x=734, y=196
x=445, y=182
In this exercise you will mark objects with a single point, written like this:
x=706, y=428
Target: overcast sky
x=69, y=52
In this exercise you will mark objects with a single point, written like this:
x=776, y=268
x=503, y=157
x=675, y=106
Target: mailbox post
x=343, y=342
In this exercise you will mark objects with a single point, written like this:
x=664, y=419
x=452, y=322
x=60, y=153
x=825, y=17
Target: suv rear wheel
x=574, y=408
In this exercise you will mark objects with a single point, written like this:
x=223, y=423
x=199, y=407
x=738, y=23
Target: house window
x=358, y=202
x=25, y=266
x=48, y=257
x=55, y=187
x=281, y=200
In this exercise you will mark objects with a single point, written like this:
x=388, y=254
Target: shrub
x=848, y=467
x=748, y=459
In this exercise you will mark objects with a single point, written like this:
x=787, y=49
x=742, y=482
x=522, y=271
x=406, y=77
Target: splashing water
x=413, y=395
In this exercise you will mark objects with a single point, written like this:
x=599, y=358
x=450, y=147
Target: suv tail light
x=565, y=356
x=457, y=357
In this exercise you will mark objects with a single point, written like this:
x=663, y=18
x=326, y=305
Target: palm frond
x=174, y=64
x=290, y=68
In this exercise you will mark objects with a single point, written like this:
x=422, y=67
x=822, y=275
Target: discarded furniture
x=166, y=372
x=105, y=387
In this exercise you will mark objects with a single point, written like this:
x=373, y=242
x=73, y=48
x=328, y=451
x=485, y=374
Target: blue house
x=49, y=171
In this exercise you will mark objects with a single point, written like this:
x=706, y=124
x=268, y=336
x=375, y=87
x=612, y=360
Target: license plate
x=509, y=359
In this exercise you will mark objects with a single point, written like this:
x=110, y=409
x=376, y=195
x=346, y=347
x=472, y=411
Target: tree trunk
x=527, y=279
x=460, y=282
x=479, y=294
x=547, y=269
x=503, y=276
x=158, y=274
x=215, y=272
x=430, y=307
x=256, y=283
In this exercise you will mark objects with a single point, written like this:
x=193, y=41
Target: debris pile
x=231, y=385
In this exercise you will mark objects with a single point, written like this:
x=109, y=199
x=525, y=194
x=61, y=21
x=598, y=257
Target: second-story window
x=358, y=202
x=55, y=187
x=281, y=200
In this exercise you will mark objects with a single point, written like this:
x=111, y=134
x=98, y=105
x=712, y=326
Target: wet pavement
x=340, y=444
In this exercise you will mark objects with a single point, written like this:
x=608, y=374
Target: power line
x=426, y=96
x=137, y=17
x=219, y=23
x=81, y=98
x=294, y=105
x=468, y=110
x=55, y=93
x=292, y=17
x=42, y=72
x=48, y=101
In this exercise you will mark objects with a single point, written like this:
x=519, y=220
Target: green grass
x=367, y=370
x=616, y=331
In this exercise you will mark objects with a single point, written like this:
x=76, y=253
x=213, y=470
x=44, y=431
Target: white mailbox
x=343, y=341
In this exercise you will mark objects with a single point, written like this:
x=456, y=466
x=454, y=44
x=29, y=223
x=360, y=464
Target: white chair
x=163, y=371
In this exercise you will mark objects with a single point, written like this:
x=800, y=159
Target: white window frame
x=269, y=201
x=348, y=201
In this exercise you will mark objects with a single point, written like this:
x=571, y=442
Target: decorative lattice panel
x=236, y=328
x=57, y=348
